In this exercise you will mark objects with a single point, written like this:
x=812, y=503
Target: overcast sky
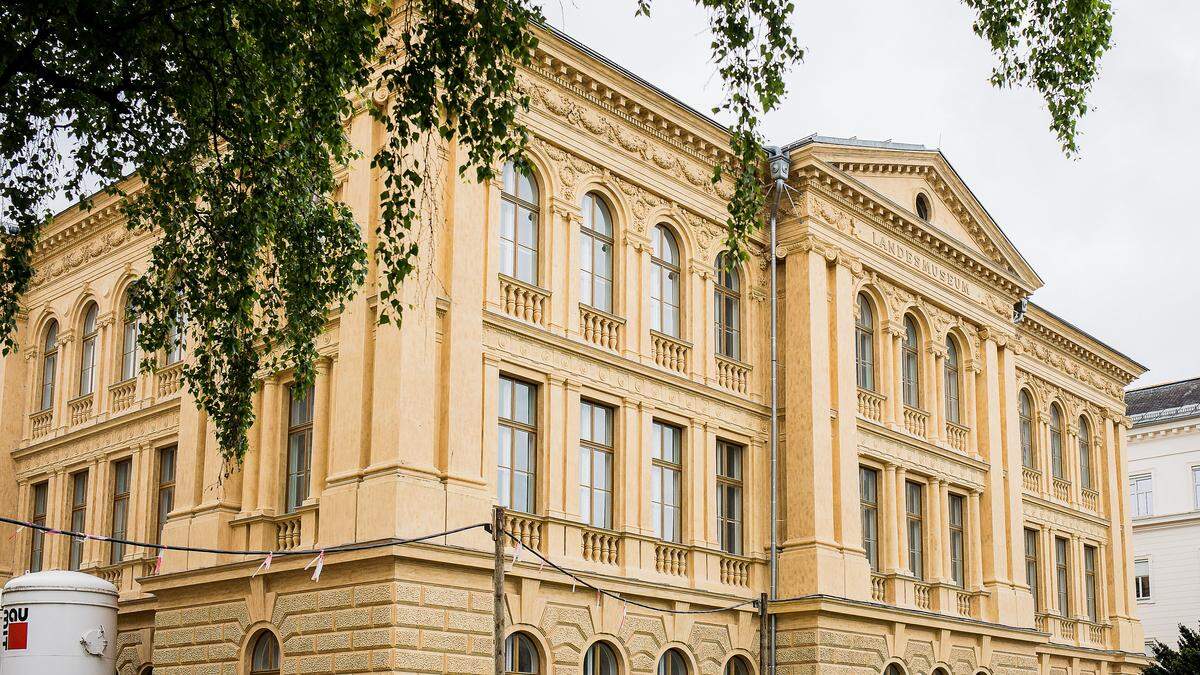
x=1113, y=234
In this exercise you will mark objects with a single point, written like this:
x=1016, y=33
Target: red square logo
x=18, y=635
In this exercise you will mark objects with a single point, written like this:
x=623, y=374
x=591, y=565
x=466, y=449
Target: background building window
x=951, y=374
x=1032, y=568
x=78, y=517
x=1141, y=496
x=672, y=663
x=519, y=225
x=1089, y=581
x=37, y=542
x=664, y=282
x=120, y=508
x=600, y=660
x=729, y=496
x=1196, y=487
x=727, y=301
x=166, y=489
x=911, y=365
x=1056, y=442
x=666, y=498
x=299, y=457
x=87, y=352
x=264, y=654
x=1085, y=453
x=1062, y=576
x=596, y=254
x=957, y=568
x=1025, y=414
x=596, y=464
x=517, y=445
x=864, y=344
x=520, y=655
x=868, y=497
x=914, y=503
x=1141, y=579
x=129, y=346
x=49, y=366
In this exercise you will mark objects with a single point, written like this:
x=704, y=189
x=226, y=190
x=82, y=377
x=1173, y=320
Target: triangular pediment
x=896, y=174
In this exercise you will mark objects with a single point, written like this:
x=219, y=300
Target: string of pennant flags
x=317, y=563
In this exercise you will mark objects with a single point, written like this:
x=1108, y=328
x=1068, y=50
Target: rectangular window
x=596, y=464
x=1062, y=576
x=914, y=501
x=166, y=489
x=1196, y=487
x=666, y=480
x=38, y=517
x=517, y=445
x=729, y=496
x=1032, y=568
x=957, y=572
x=120, y=508
x=868, y=499
x=78, y=517
x=1089, y=580
x=299, y=445
x=1141, y=579
x=129, y=351
x=1141, y=496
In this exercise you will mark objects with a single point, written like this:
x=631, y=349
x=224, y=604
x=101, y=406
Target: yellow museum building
x=951, y=492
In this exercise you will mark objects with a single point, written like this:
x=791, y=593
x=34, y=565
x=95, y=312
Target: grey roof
x=1164, y=402
x=857, y=142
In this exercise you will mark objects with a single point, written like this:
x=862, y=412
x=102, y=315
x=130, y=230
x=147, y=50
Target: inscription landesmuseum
x=919, y=262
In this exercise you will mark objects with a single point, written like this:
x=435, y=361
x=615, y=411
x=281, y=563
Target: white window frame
x=1149, y=597
x=1134, y=510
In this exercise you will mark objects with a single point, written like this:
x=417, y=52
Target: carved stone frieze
x=90, y=444
x=51, y=269
x=1063, y=520
x=932, y=464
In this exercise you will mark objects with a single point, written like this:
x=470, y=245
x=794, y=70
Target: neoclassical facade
x=951, y=482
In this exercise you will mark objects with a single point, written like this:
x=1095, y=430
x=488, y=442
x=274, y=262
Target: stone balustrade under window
x=600, y=546
x=168, y=380
x=121, y=394
x=870, y=404
x=527, y=528
x=81, y=408
x=39, y=423
x=1062, y=490
x=733, y=375
x=524, y=301
x=670, y=353
x=1031, y=479
x=288, y=529
x=957, y=436
x=735, y=570
x=878, y=587
x=1091, y=500
x=601, y=328
x=916, y=422
x=671, y=559
x=922, y=595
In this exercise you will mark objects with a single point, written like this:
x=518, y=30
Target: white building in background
x=1164, y=495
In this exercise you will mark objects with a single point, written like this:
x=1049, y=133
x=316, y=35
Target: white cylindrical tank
x=59, y=622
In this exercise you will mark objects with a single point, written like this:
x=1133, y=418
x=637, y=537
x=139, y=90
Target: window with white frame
x=914, y=506
x=129, y=346
x=1025, y=415
x=729, y=496
x=951, y=375
x=1057, y=467
x=910, y=375
x=957, y=541
x=519, y=224
x=1085, y=453
x=1141, y=579
x=87, y=354
x=1141, y=495
x=727, y=310
x=666, y=482
x=664, y=282
x=864, y=344
x=1062, y=575
x=516, y=445
x=596, y=254
x=595, y=464
x=868, y=498
x=1089, y=581
x=1196, y=487
x=49, y=366
x=1032, y=568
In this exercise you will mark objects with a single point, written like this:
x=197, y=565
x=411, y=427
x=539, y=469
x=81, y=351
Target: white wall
x=1170, y=537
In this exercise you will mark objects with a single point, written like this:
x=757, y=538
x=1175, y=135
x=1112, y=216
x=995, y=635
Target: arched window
x=664, y=282
x=894, y=670
x=911, y=359
x=922, y=207
x=672, y=663
x=727, y=301
x=1056, y=442
x=600, y=660
x=87, y=355
x=1025, y=413
x=264, y=654
x=738, y=665
x=519, y=225
x=1085, y=453
x=129, y=346
x=953, y=408
x=864, y=343
x=596, y=254
x=49, y=366
x=520, y=655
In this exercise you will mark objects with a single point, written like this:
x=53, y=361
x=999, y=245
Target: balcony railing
x=1091, y=500
x=1031, y=479
x=870, y=404
x=81, y=408
x=1096, y=634
x=601, y=546
x=916, y=422
x=670, y=353
x=1066, y=629
x=39, y=423
x=733, y=375
x=957, y=436
x=878, y=588
x=1062, y=490
x=168, y=380
x=735, y=571
x=922, y=593
x=523, y=301
x=966, y=604
x=525, y=527
x=670, y=559
x=601, y=328
x=287, y=532
x=1042, y=623
x=121, y=394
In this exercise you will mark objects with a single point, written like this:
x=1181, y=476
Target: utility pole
x=498, y=589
